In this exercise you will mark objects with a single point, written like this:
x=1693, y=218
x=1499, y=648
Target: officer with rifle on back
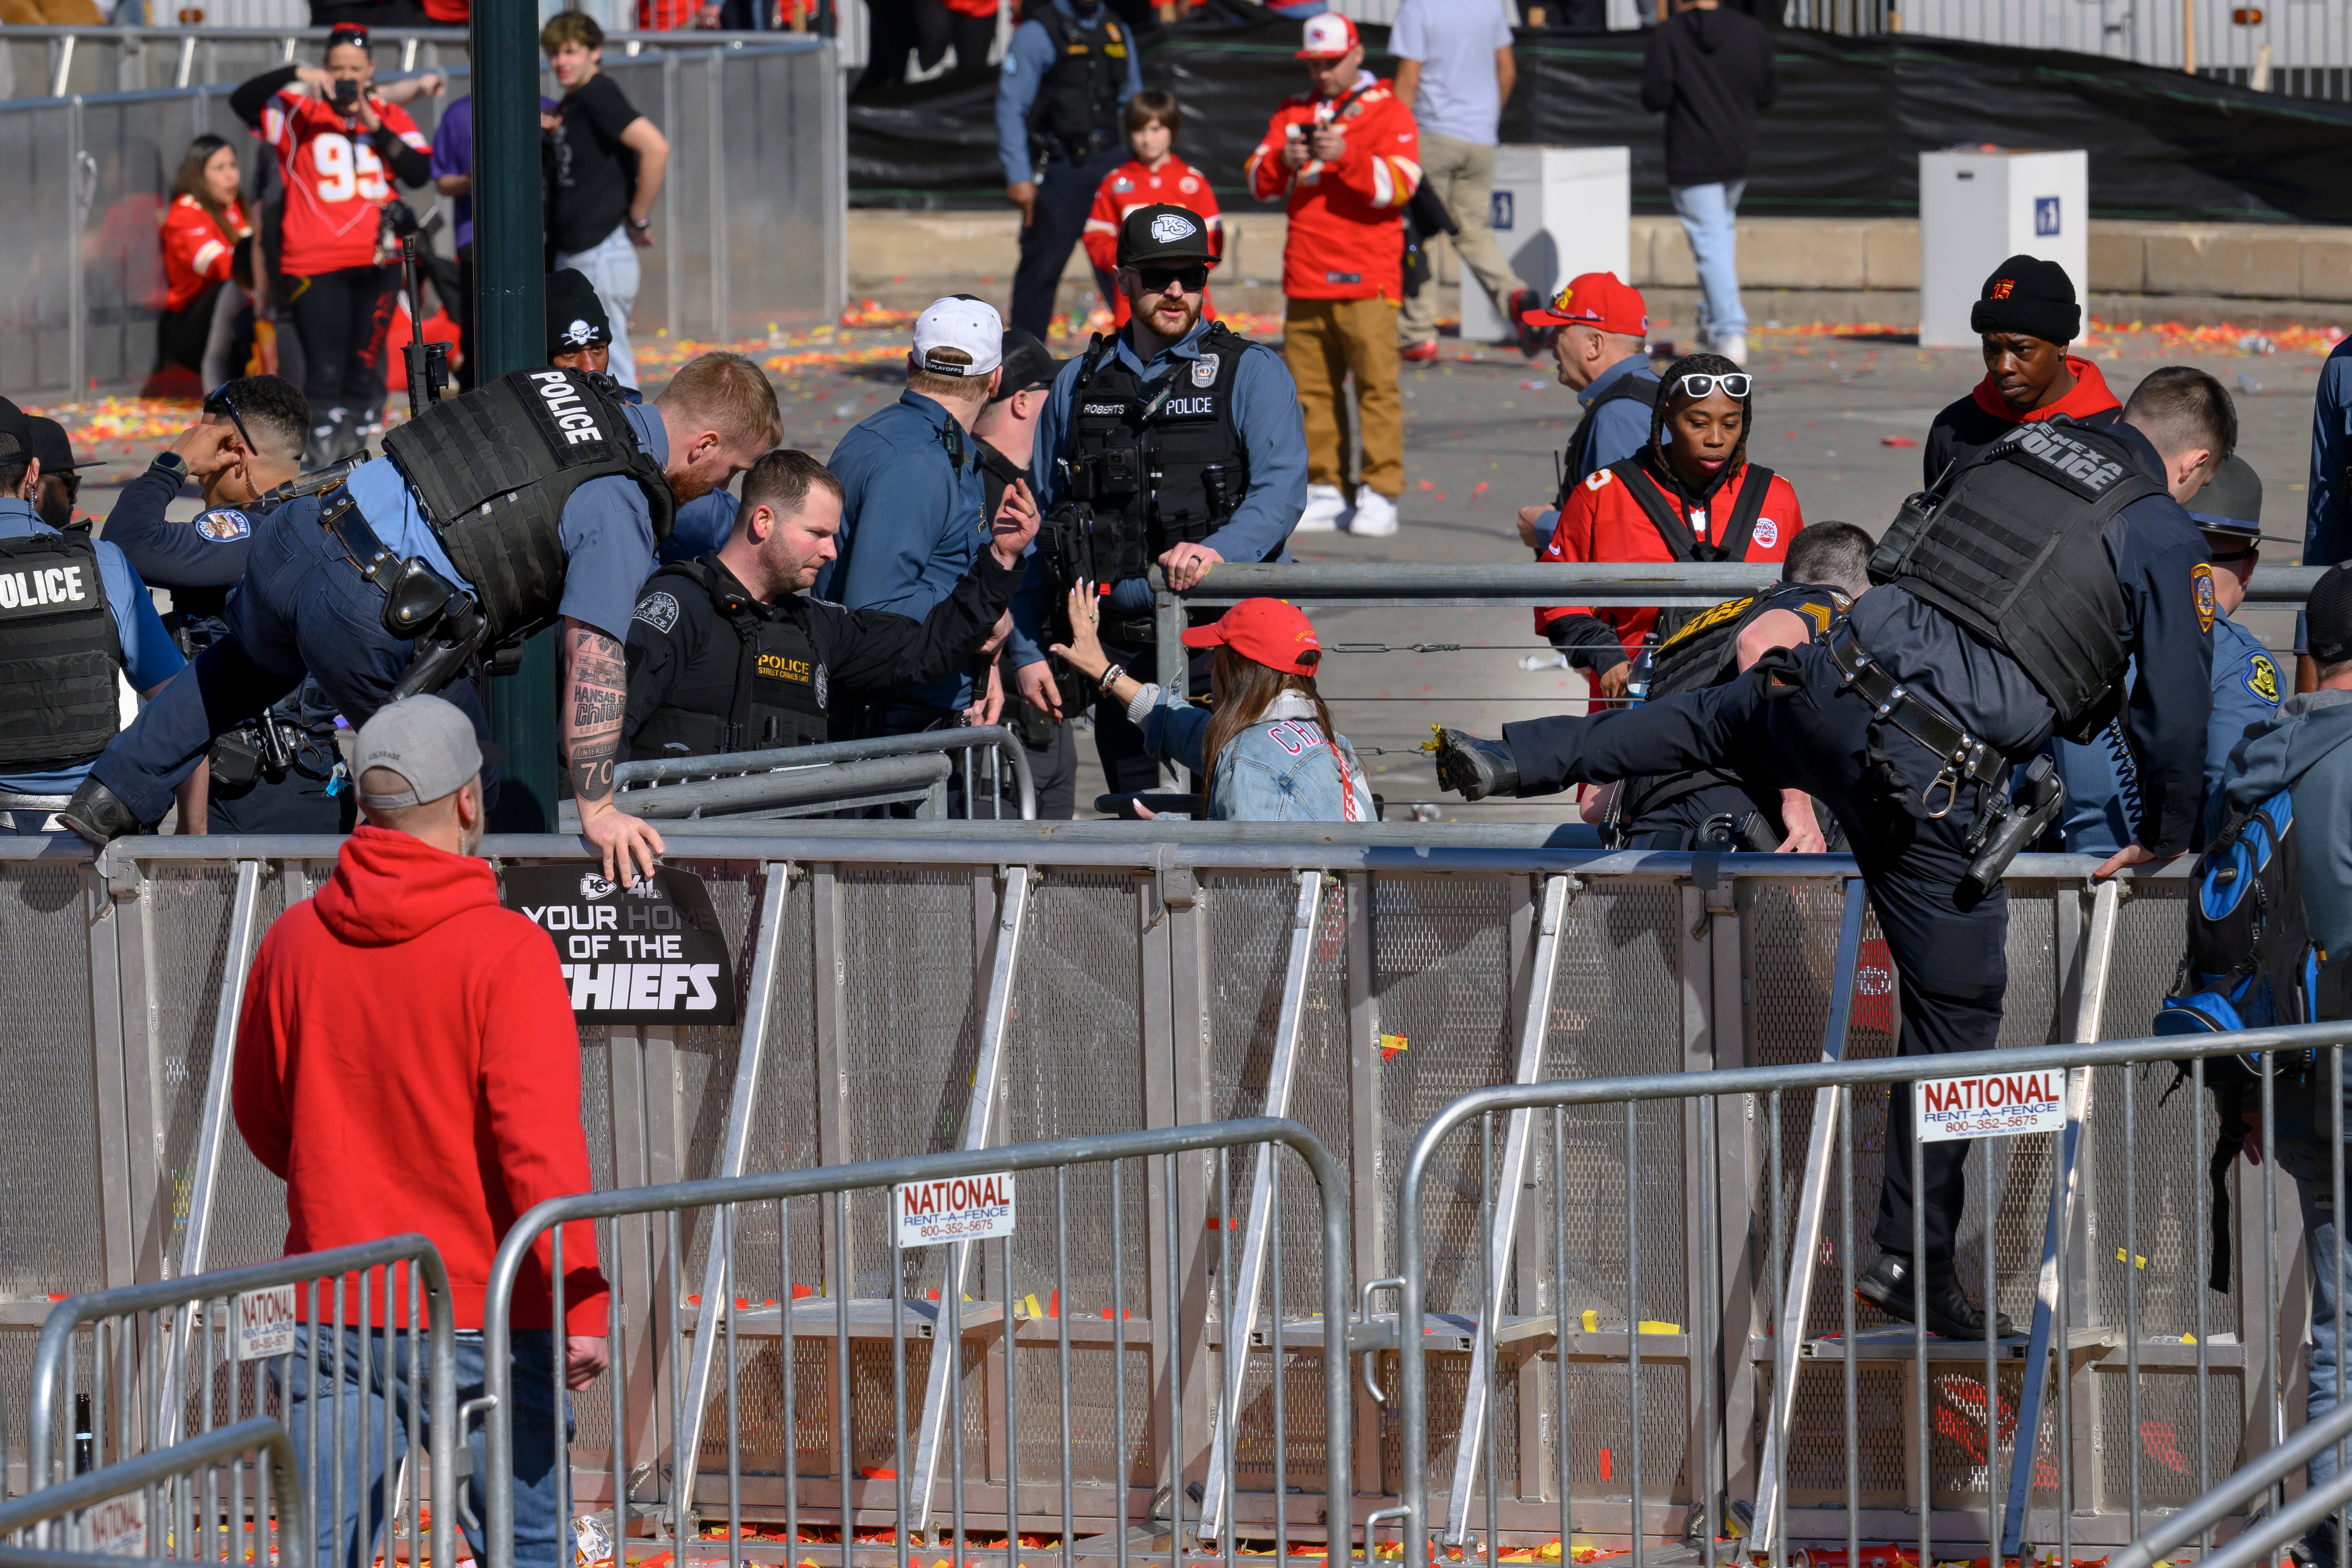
x=1172, y=442
x=2006, y=608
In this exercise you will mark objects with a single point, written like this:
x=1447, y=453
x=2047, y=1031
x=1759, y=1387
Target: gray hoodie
x=2302, y=747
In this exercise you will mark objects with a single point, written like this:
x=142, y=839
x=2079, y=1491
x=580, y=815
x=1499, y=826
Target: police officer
x=1066, y=78
x=2247, y=685
x=61, y=474
x=1907, y=720
x=728, y=654
x=533, y=501
x=75, y=621
x=1174, y=441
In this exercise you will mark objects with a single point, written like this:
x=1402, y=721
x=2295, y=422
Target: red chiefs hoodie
x=407, y=1061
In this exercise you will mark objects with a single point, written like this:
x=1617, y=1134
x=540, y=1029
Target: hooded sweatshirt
x=2302, y=747
x=1974, y=421
x=407, y=1061
x=1709, y=72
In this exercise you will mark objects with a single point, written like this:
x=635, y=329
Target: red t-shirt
x=336, y=186
x=1131, y=185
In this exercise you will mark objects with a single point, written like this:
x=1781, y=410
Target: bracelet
x=1110, y=674
x=640, y=227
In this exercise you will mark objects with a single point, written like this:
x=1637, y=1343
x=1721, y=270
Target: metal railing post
x=204, y=1176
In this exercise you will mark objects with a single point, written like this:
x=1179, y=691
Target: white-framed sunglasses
x=1698, y=385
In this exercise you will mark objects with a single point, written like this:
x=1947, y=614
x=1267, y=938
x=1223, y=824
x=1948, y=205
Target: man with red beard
x=2027, y=314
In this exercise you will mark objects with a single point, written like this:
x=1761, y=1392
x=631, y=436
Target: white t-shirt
x=1455, y=42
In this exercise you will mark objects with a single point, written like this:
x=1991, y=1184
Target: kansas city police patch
x=659, y=611
x=2262, y=677
x=2200, y=586
x=224, y=527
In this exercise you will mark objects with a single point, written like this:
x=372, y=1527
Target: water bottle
x=1637, y=684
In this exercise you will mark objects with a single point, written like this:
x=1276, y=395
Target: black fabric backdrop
x=1844, y=138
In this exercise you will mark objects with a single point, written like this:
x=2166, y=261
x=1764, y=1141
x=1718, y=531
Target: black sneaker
x=99, y=814
x=1531, y=338
x=1477, y=767
x=1886, y=1285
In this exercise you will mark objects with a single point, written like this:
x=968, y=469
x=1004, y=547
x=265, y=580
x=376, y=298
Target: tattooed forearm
x=599, y=694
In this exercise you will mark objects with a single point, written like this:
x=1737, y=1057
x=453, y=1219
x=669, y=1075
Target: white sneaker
x=1326, y=506
x=1375, y=516
x=1734, y=348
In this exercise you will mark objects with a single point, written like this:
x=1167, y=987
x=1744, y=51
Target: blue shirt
x=911, y=520
x=702, y=526
x=606, y=528
x=150, y=658
x=1026, y=62
x=1460, y=94
x=452, y=153
x=1620, y=427
x=208, y=552
x=2247, y=688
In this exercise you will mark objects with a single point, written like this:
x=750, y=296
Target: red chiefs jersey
x=195, y=252
x=1603, y=522
x=335, y=184
x=1131, y=185
x=1347, y=217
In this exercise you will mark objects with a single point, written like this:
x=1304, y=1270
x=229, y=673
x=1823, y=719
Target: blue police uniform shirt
x=912, y=520
x=702, y=526
x=2327, y=517
x=207, y=553
x=1027, y=60
x=150, y=658
x=2247, y=688
x=607, y=532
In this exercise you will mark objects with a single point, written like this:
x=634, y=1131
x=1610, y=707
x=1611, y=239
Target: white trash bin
x=1980, y=205
x=1557, y=212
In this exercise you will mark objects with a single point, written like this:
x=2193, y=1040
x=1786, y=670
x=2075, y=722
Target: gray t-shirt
x=1454, y=40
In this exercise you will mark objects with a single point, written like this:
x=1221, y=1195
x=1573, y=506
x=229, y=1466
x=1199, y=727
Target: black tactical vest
x=2014, y=552
x=1642, y=389
x=764, y=664
x=1160, y=463
x=1077, y=113
x=60, y=653
x=492, y=470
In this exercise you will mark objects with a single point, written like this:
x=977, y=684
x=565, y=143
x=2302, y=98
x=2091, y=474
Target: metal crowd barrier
x=161, y=1505
x=804, y=781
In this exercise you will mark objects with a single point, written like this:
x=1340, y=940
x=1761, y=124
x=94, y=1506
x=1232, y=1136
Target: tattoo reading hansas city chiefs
x=651, y=953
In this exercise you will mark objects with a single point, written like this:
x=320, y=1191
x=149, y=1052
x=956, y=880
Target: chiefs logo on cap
x=2001, y=288
x=1170, y=228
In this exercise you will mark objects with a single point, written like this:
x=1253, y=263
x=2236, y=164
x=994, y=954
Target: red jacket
x=1603, y=522
x=407, y=1061
x=1131, y=185
x=1347, y=218
x=197, y=250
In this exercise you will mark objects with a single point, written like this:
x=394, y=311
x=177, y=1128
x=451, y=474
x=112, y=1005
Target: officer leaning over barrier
x=75, y=621
x=728, y=654
x=1174, y=441
x=534, y=500
x=1066, y=78
x=2006, y=608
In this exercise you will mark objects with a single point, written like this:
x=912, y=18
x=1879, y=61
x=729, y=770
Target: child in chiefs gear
x=1154, y=177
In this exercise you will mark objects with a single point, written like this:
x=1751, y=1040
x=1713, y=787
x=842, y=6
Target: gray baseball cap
x=427, y=742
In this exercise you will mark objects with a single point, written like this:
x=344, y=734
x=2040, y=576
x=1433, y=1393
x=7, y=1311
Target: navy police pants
x=1064, y=195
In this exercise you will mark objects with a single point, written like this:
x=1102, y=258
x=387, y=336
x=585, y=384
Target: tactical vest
x=997, y=473
x=1666, y=515
x=775, y=682
x=1159, y=463
x=1077, y=113
x=492, y=470
x=1642, y=389
x=60, y=653
x=2014, y=552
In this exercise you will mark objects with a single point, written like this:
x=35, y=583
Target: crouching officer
x=534, y=500
x=1174, y=441
x=2006, y=609
x=728, y=653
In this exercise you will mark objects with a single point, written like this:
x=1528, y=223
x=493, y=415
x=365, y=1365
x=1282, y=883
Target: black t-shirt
x=591, y=175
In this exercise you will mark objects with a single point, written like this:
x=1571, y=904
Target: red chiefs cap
x=1274, y=632
x=1328, y=36
x=1597, y=300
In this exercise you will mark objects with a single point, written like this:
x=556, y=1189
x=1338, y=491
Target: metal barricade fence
x=146, y=1368
x=831, y=1422
x=145, y=1507
x=802, y=781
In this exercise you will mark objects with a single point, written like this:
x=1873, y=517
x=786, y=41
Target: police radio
x=427, y=365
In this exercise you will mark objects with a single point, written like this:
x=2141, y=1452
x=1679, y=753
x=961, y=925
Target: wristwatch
x=172, y=463
x=640, y=225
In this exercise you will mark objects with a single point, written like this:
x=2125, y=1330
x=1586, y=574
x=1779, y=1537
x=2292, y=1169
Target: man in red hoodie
x=407, y=1061
x=2027, y=315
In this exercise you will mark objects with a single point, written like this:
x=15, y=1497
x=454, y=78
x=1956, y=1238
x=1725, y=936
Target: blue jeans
x=364, y=1386
x=612, y=268
x=1709, y=214
x=2302, y=1154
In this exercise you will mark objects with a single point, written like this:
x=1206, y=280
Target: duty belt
x=342, y=517
x=1964, y=757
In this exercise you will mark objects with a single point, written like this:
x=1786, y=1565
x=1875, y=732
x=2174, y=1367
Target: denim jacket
x=1278, y=770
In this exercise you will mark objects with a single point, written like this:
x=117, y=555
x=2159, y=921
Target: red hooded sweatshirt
x=407, y=1061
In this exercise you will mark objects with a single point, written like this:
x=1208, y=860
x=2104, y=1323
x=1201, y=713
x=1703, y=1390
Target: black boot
x=1886, y=1285
x=1478, y=768
x=99, y=814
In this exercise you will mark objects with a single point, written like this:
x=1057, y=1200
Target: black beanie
x=2328, y=616
x=2026, y=294
x=575, y=317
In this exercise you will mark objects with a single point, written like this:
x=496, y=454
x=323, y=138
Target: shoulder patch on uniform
x=224, y=526
x=2262, y=677
x=1597, y=479
x=658, y=610
x=2200, y=589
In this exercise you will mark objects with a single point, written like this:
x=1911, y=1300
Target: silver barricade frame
x=159, y=1479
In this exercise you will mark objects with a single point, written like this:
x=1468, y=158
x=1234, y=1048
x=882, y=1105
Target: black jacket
x=1709, y=72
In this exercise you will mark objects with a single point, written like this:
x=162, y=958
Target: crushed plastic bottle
x=1544, y=661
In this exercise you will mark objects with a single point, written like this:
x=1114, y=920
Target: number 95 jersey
x=335, y=184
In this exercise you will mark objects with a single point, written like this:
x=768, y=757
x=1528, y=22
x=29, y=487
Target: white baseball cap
x=960, y=321
x=1328, y=36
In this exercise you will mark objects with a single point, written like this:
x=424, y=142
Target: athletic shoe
x=1325, y=506
x=1375, y=515
x=1886, y=1285
x=1734, y=348
x=1530, y=336
x=99, y=814
x=1421, y=353
x=1475, y=767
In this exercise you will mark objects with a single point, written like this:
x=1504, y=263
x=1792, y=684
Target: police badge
x=1204, y=371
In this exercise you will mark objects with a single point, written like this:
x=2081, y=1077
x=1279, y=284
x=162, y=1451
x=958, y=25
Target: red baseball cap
x=1328, y=36
x=1597, y=300
x=1274, y=632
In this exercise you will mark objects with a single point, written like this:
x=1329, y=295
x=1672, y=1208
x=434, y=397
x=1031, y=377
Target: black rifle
x=427, y=363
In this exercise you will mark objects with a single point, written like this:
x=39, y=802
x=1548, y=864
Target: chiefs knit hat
x=2328, y=616
x=1596, y=299
x=1328, y=36
x=1272, y=632
x=2026, y=294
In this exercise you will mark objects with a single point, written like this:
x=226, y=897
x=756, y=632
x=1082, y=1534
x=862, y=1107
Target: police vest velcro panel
x=756, y=683
x=2015, y=554
x=1160, y=463
x=60, y=653
x=493, y=468
x=1078, y=107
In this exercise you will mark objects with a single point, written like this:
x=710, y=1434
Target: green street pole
x=510, y=334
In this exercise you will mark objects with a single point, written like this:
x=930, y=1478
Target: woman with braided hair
x=1690, y=494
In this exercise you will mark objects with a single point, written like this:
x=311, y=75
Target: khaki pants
x=1325, y=341
x=1463, y=176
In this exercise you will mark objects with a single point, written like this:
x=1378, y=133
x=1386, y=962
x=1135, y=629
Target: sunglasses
x=1192, y=279
x=221, y=402
x=1736, y=384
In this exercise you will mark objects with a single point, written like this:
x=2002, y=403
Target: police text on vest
x=570, y=409
x=42, y=585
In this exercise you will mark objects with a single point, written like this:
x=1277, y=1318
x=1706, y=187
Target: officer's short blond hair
x=728, y=393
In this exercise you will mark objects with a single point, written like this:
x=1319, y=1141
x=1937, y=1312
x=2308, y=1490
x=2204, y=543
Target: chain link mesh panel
x=50, y=1233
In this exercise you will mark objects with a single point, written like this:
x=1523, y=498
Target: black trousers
x=344, y=317
x=1064, y=197
x=1816, y=736
x=936, y=28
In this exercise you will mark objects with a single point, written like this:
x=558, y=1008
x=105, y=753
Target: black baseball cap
x=575, y=317
x=1164, y=234
x=54, y=447
x=2328, y=616
x=2026, y=294
x=15, y=422
x=1029, y=365
x=2231, y=503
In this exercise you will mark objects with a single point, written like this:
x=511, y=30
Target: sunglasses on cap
x=1696, y=384
x=220, y=401
x=347, y=32
x=1192, y=278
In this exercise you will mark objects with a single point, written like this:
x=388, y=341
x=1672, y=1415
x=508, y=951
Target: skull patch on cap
x=1170, y=228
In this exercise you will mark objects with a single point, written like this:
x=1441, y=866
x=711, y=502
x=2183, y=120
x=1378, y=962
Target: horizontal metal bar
x=2245, y=1486
x=664, y=770
x=260, y=1432
x=797, y=786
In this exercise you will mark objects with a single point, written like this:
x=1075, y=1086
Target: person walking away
x=1154, y=176
x=2026, y=314
x=1345, y=154
x=605, y=166
x=1455, y=72
x=1598, y=328
x=1065, y=81
x=203, y=229
x=1708, y=70
x=410, y=921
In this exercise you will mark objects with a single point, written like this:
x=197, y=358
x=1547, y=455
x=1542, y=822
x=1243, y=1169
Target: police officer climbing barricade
x=728, y=654
x=2005, y=609
x=1173, y=442
x=75, y=623
x=1067, y=75
x=536, y=498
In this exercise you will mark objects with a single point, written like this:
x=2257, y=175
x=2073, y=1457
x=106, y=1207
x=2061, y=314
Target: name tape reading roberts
x=969, y=1208
x=265, y=1323
x=1996, y=1105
